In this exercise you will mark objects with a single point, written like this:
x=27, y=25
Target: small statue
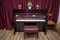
x=37, y=6
x=19, y=6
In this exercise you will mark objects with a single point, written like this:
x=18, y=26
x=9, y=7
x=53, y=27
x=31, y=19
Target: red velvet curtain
x=1, y=17
x=8, y=6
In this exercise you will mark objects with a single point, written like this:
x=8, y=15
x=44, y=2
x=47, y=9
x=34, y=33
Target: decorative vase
x=29, y=7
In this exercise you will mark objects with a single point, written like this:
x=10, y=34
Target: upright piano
x=25, y=20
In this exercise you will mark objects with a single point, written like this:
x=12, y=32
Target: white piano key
x=31, y=20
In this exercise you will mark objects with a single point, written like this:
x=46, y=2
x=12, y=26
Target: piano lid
x=29, y=11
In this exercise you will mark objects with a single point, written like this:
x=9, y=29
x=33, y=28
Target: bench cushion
x=31, y=28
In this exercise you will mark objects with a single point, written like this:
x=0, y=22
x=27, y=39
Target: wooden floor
x=8, y=35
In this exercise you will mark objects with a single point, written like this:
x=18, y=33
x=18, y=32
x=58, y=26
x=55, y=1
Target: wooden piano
x=29, y=21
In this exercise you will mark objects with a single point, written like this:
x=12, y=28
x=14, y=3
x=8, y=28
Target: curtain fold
x=6, y=14
x=1, y=17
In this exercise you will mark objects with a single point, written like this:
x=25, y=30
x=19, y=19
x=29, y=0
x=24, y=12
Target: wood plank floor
x=8, y=35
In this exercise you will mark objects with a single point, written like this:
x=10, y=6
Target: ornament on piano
x=37, y=6
x=17, y=15
x=19, y=6
x=29, y=5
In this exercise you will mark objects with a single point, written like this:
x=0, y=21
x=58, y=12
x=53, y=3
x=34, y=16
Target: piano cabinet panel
x=41, y=26
x=30, y=23
x=19, y=26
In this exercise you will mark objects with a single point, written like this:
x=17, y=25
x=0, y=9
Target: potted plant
x=29, y=5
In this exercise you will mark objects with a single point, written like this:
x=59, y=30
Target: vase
x=29, y=7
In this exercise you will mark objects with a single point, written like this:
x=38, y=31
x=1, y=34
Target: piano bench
x=31, y=29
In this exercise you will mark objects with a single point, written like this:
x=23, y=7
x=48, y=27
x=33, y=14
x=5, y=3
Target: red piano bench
x=31, y=29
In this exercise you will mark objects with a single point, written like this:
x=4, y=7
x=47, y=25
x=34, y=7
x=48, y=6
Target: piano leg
x=45, y=32
x=44, y=28
x=14, y=32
